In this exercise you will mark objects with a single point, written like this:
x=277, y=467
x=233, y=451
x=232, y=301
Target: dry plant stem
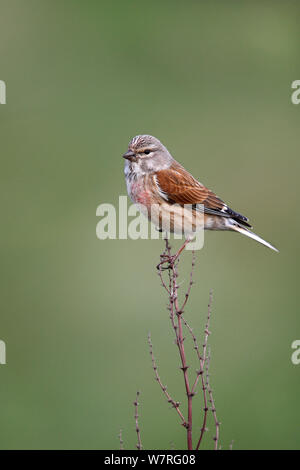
x=136, y=416
x=212, y=402
x=191, y=281
x=200, y=373
x=202, y=362
x=176, y=312
x=174, y=403
x=184, y=368
x=177, y=321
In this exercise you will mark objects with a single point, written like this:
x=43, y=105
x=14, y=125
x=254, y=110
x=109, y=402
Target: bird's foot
x=166, y=259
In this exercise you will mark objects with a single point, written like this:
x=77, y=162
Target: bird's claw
x=167, y=259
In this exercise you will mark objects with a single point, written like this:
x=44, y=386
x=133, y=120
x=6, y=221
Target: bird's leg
x=171, y=259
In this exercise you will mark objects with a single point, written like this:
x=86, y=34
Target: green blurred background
x=212, y=80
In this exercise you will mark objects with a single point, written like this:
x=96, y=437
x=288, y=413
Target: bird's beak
x=129, y=155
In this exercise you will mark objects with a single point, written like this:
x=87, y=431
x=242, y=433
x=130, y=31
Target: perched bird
x=162, y=189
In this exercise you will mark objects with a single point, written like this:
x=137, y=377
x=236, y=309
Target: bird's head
x=148, y=153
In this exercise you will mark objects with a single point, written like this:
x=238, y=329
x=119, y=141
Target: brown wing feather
x=181, y=188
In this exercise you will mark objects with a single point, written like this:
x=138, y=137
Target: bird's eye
x=147, y=151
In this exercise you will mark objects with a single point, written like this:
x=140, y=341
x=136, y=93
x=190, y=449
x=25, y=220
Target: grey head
x=147, y=154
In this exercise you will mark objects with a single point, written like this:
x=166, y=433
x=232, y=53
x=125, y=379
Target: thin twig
x=187, y=295
x=200, y=373
x=184, y=369
x=212, y=402
x=174, y=403
x=136, y=416
x=207, y=332
x=196, y=347
x=160, y=272
x=202, y=361
x=175, y=312
x=178, y=322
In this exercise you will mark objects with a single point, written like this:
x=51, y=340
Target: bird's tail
x=250, y=234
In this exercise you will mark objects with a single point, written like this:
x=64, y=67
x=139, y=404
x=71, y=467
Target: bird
x=164, y=190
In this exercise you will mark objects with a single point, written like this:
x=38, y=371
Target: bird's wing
x=178, y=186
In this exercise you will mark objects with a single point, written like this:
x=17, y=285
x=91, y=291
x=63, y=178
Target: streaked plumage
x=155, y=179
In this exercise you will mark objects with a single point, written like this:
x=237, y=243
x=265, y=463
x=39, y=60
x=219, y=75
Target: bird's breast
x=139, y=189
